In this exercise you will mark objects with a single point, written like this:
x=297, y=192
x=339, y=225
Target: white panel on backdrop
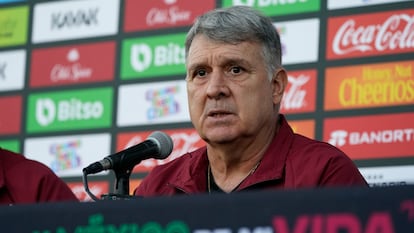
x=389, y=175
x=338, y=4
x=65, y=20
x=12, y=70
x=300, y=40
x=68, y=155
x=161, y=102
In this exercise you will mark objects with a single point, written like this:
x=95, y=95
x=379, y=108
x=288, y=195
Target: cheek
x=194, y=102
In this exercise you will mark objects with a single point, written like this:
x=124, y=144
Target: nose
x=217, y=86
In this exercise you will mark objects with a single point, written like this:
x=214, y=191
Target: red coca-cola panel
x=73, y=64
x=146, y=15
x=300, y=93
x=10, y=114
x=372, y=137
x=185, y=140
x=390, y=32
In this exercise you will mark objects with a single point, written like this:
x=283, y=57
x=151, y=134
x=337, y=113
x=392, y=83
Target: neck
x=230, y=183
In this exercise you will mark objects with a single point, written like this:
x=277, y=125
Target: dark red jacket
x=291, y=161
x=28, y=181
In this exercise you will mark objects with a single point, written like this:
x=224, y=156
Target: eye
x=236, y=69
x=200, y=73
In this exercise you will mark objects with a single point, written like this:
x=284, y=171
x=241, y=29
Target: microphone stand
x=121, y=188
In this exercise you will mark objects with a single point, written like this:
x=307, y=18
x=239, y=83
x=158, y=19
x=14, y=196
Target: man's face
x=229, y=93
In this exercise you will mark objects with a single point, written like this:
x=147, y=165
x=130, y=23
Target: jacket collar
x=190, y=179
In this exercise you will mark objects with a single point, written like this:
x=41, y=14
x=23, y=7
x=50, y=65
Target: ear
x=279, y=83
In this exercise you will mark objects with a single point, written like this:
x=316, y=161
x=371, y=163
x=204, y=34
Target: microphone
x=158, y=146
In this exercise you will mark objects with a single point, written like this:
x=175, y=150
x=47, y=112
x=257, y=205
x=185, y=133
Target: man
x=235, y=83
x=24, y=181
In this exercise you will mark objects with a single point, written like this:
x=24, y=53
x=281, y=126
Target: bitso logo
x=155, y=56
x=47, y=111
x=62, y=111
x=141, y=57
x=272, y=8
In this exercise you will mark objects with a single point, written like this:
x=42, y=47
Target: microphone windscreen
x=164, y=142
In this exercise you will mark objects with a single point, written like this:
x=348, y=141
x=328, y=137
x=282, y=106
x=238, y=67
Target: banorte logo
x=91, y=108
x=153, y=56
x=338, y=138
x=370, y=34
x=367, y=137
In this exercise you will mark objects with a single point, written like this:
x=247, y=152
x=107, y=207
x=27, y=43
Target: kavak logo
x=145, y=15
x=367, y=137
x=300, y=93
x=3, y=70
x=10, y=119
x=184, y=140
x=153, y=56
x=388, y=175
x=12, y=69
x=277, y=7
x=390, y=32
x=69, y=110
x=13, y=25
x=67, y=20
x=375, y=85
x=73, y=64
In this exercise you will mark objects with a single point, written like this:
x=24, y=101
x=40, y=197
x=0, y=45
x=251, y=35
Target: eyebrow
x=224, y=62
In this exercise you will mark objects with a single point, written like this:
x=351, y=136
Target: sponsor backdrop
x=80, y=80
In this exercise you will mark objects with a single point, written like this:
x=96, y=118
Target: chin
x=219, y=138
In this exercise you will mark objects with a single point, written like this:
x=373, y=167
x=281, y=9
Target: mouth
x=217, y=113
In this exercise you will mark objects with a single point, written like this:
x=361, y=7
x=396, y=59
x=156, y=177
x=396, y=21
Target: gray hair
x=237, y=24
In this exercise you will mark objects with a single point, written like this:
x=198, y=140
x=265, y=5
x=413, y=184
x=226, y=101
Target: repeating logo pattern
x=80, y=80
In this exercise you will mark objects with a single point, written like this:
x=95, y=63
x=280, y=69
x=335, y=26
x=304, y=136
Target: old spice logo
x=396, y=32
x=172, y=15
x=73, y=71
x=294, y=97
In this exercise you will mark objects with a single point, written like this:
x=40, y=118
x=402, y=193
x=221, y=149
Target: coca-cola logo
x=73, y=71
x=396, y=32
x=172, y=15
x=295, y=96
x=184, y=142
